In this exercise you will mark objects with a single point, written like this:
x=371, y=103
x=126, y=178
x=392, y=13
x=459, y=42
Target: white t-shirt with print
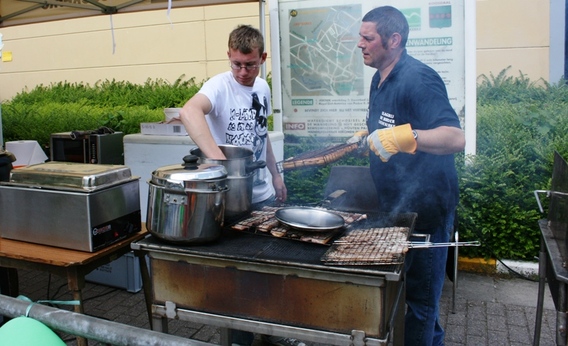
x=239, y=117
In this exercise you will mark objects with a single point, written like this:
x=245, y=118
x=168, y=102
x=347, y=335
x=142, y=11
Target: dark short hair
x=245, y=39
x=388, y=20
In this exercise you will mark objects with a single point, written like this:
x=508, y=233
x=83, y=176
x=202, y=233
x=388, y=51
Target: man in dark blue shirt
x=414, y=133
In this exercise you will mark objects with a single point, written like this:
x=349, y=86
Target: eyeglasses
x=238, y=67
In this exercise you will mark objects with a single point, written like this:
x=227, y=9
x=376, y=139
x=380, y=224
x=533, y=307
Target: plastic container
x=124, y=273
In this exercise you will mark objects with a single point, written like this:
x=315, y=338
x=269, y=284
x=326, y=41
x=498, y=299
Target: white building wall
x=146, y=46
x=513, y=33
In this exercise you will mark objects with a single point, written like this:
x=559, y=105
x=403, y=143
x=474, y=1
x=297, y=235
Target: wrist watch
x=415, y=134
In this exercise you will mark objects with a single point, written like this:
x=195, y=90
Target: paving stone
x=476, y=340
x=520, y=334
x=498, y=338
x=495, y=322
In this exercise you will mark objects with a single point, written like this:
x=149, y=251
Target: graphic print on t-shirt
x=248, y=126
x=261, y=122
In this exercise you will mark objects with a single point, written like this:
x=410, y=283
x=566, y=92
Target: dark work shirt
x=423, y=183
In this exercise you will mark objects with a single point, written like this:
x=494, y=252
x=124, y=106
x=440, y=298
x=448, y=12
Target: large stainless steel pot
x=241, y=169
x=186, y=202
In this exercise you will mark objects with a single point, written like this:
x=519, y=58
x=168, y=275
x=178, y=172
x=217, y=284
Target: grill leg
x=541, y=287
x=399, y=315
x=561, y=315
x=225, y=336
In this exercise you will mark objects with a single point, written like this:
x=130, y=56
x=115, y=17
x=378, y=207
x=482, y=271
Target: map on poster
x=325, y=82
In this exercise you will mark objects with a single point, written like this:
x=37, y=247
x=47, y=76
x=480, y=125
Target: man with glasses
x=233, y=107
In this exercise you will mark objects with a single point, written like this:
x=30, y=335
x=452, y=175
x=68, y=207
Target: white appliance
x=145, y=153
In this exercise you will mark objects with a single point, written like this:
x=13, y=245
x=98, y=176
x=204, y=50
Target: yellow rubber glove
x=389, y=141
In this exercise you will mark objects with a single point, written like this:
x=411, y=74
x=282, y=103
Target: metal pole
x=262, y=24
x=89, y=327
x=1, y=130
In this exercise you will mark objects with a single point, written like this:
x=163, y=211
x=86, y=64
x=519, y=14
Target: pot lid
x=71, y=175
x=189, y=170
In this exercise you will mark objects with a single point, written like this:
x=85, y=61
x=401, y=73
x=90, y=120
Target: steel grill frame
x=553, y=252
x=277, y=286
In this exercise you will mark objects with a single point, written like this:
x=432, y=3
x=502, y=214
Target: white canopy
x=18, y=12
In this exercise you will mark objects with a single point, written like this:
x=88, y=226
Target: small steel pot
x=186, y=202
x=241, y=169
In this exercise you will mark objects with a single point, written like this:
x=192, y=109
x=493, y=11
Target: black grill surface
x=264, y=248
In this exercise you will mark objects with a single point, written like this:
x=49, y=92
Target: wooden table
x=68, y=263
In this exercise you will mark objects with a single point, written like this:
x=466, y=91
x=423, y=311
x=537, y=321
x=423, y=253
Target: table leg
x=76, y=282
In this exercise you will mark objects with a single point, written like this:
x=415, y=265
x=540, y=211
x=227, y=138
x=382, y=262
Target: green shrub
x=519, y=126
x=153, y=94
x=64, y=107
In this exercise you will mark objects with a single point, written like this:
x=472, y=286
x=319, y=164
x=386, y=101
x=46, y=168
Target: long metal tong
x=412, y=244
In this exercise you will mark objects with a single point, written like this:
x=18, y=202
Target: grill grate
x=249, y=246
x=264, y=222
x=373, y=246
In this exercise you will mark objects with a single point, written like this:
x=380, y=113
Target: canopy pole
x=1, y=130
x=262, y=28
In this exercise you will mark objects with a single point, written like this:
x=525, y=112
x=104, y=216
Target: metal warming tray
x=71, y=205
x=70, y=176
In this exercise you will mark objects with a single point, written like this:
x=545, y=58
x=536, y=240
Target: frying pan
x=309, y=219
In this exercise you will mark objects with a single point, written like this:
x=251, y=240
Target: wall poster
x=325, y=84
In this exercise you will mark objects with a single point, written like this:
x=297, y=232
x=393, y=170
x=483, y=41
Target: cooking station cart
x=274, y=286
x=553, y=254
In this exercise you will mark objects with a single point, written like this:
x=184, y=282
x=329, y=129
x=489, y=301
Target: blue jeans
x=425, y=275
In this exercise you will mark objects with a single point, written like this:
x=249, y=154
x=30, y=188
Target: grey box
x=124, y=272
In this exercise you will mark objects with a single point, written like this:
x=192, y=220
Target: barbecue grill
x=279, y=286
x=553, y=252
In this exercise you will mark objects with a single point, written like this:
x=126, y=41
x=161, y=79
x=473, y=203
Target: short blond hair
x=245, y=39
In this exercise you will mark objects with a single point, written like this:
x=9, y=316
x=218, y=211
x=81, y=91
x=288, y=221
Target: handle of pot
x=223, y=189
x=251, y=167
x=171, y=190
x=219, y=197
